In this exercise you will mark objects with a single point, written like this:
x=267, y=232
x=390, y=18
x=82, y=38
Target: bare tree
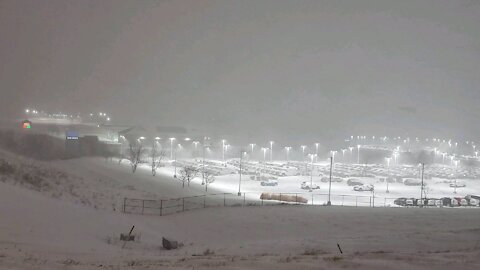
x=157, y=156
x=208, y=178
x=187, y=174
x=135, y=154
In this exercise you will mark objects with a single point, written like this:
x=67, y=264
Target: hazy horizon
x=284, y=70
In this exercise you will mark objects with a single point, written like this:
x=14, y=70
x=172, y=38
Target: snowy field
x=65, y=215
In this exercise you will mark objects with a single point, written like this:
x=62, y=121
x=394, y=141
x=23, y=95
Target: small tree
x=187, y=174
x=157, y=156
x=135, y=154
x=209, y=178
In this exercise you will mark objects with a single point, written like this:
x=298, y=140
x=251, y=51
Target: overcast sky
x=283, y=69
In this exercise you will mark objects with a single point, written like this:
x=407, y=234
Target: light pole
x=171, y=147
x=287, y=149
x=203, y=159
x=252, y=145
x=330, y=182
x=195, y=144
x=388, y=173
x=240, y=179
x=175, y=174
x=333, y=155
x=421, y=190
x=303, y=152
x=358, y=157
x=351, y=153
x=316, y=151
x=271, y=150
x=264, y=149
x=456, y=165
x=223, y=151
x=311, y=171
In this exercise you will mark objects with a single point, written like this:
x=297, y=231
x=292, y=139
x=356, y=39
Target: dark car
x=354, y=182
x=400, y=201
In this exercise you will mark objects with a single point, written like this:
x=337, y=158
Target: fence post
x=124, y=203
x=143, y=205
x=280, y=198
x=244, y=199
x=224, y=203
x=385, y=202
x=370, y=201
x=161, y=207
x=183, y=204
x=296, y=199
x=204, y=201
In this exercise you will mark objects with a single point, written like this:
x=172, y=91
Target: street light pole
x=388, y=173
x=358, y=157
x=223, y=151
x=421, y=190
x=330, y=182
x=316, y=151
x=271, y=150
x=171, y=147
x=240, y=179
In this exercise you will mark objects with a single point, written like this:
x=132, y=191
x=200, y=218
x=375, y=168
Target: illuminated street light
x=271, y=150
x=303, y=151
x=358, y=157
x=287, y=148
x=223, y=150
x=264, y=149
x=252, y=145
x=388, y=173
x=333, y=154
x=171, y=147
x=312, y=156
x=316, y=151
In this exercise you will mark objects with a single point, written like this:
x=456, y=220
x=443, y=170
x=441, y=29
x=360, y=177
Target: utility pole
x=330, y=182
x=240, y=179
x=421, y=193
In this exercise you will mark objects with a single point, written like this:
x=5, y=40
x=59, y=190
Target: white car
x=363, y=188
x=269, y=182
x=458, y=184
x=307, y=186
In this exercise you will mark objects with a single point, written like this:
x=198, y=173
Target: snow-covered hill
x=40, y=230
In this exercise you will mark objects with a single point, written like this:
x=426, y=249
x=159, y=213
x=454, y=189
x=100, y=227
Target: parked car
x=458, y=184
x=410, y=202
x=269, y=182
x=354, y=182
x=306, y=185
x=363, y=188
x=400, y=201
x=412, y=182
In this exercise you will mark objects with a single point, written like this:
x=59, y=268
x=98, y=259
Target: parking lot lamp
x=316, y=151
x=271, y=150
x=330, y=182
x=171, y=147
x=388, y=173
x=358, y=154
x=287, y=149
x=240, y=172
x=312, y=156
x=303, y=151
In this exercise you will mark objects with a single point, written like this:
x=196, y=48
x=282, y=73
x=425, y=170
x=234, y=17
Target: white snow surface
x=73, y=222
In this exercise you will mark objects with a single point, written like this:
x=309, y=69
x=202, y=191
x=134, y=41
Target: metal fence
x=176, y=205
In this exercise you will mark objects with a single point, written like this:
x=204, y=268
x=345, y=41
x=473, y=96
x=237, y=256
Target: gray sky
x=282, y=69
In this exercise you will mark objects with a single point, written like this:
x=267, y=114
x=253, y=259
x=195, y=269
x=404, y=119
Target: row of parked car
x=470, y=200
